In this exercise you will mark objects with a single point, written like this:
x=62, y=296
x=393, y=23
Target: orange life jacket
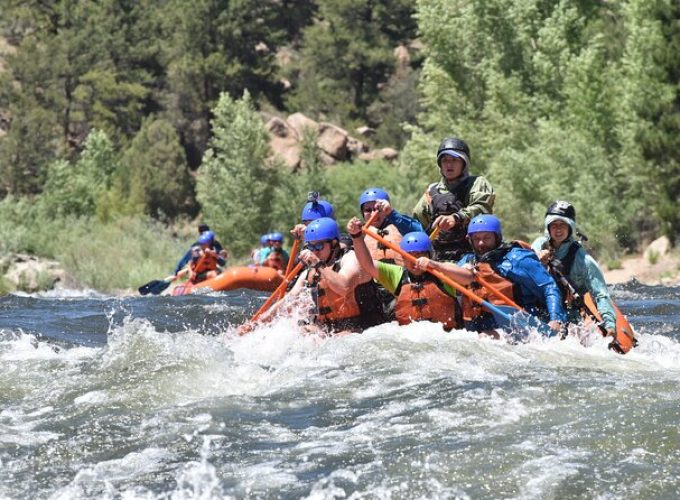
x=206, y=262
x=378, y=251
x=472, y=309
x=425, y=300
x=331, y=306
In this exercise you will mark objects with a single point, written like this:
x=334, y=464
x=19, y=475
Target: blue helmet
x=206, y=237
x=276, y=236
x=330, y=211
x=313, y=210
x=264, y=239
x=486, y=222
x=373, y=194
x=416, y=241
x=324, y=228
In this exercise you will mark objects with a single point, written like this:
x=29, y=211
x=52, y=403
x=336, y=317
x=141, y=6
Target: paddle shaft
x=485, y=284
x=439, y=275
x=278, y=293
x=292, y=256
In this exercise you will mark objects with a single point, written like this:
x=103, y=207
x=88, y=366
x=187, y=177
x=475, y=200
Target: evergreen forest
x=123, y=123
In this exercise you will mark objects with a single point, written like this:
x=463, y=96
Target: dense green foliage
x=348, y=54
x=122, y=254
x=118, y=111
x=556, y=100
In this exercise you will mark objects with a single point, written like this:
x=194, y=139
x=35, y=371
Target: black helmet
x=452, y=146
x=562, y=208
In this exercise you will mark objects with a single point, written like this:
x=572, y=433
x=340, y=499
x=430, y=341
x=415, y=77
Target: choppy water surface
x=156, y=397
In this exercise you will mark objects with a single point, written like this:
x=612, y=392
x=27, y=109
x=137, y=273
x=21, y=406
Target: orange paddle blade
x=624, y=335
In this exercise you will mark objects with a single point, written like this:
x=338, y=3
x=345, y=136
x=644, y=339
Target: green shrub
x=653, y=257
x=614, y=264
x=124, y=253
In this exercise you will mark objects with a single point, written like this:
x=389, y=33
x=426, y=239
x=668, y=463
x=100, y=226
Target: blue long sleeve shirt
x=403, y=223
x=538, y=291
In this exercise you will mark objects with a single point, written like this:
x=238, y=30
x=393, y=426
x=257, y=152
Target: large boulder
x=355, y=147
x=288, y=149
x=333, y=140
x=280, y=128
x=284, y=141
x=300, y=122
x=387, y=154
x=657, y=248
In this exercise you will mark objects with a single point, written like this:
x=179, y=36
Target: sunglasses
x=369, y=209
x=315, y=247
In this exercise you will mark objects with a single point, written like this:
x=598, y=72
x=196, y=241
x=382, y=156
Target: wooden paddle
x=504, y=314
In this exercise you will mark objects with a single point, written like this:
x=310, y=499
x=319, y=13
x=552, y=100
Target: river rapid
x=157, y=397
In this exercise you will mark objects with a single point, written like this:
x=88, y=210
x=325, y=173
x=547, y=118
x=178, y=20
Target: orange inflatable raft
x=265, y=279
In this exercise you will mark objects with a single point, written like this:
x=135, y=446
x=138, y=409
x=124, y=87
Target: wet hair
x=202, y=228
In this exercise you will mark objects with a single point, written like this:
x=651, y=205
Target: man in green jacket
x=448, y=206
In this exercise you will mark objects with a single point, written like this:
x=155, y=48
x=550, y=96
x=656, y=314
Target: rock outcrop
x=32, y=274
x=335, y=144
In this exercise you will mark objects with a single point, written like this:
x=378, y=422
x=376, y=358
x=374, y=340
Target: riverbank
x=665, y=270
x=28, y=273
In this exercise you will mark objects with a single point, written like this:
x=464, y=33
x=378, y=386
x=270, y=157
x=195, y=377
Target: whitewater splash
x=168, y=409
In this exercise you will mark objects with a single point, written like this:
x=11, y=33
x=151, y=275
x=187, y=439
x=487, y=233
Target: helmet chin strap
x=335, y=250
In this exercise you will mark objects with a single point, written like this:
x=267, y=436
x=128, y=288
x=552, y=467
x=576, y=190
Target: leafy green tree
x=75, y=189
x=156, y=169
x=72, y=69
x=232, y=183
x=661, y=143
x=220, y=47
x=553, y=99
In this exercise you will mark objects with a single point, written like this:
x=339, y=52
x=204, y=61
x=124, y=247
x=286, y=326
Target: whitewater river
x=156, y=397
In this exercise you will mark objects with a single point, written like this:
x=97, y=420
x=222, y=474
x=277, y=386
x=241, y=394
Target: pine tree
x=232, y=183
x=348, y=53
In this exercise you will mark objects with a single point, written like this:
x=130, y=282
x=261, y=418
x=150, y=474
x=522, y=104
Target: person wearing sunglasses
x=344, y=295
x=419, y=295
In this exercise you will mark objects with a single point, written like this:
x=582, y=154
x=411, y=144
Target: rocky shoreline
x=28, y=273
